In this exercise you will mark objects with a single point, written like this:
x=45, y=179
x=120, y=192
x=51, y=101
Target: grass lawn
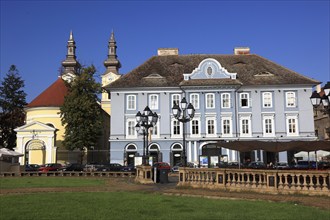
x=137, y=205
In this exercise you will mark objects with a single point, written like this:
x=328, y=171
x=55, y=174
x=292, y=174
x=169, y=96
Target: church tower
x=111, y=73
x=70, y=64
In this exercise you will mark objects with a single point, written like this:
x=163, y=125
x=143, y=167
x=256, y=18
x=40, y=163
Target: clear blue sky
x=34, y=34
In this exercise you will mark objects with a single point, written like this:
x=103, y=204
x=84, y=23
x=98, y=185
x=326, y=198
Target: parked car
x=234, y=165
x=257, y=165
x=50, y=167
x=281, y=166
x=162, y=165
x=129, y=168
x=32, y=167
x=323, y=165
x=74, y=167
x=110, y=167
x=176, y=167
x=305, y=165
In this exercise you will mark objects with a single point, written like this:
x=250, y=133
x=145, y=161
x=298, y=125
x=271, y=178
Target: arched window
x=209, y=70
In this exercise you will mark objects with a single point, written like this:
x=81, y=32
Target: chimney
x=168, y=51
x=241, y=50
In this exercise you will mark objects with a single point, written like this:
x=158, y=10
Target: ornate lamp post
x=183, y=118
x=145, y=121
x=316, y=99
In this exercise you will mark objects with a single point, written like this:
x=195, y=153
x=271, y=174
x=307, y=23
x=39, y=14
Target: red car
x=50, y=167
x=162, y=165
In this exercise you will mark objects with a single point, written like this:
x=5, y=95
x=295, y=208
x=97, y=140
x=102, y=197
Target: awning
x=275, y=146
x=7, y=152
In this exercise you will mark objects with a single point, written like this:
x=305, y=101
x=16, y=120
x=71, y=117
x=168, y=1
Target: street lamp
x=317, y=99
x=185, y=108
x=145, y=121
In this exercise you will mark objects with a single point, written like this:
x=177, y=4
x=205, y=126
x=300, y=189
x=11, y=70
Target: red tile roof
x=53, y=96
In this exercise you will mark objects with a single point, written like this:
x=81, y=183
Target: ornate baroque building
x=238, y=96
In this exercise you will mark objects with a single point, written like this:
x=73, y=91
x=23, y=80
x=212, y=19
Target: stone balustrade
x=311, y=182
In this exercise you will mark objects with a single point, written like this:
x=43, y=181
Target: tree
x=81, y=113
x=12, y=102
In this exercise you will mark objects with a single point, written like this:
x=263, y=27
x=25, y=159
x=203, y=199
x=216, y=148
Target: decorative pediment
x=35, y=126
x=209, y=69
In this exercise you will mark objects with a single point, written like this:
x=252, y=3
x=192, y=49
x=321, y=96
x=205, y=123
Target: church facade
x=40, y=139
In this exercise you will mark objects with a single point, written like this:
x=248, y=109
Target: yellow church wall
x=48, y=115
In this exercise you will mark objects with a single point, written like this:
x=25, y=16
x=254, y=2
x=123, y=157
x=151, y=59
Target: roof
x=9, y=153
x=53, y=96
x=276, y=146
x=167, y=71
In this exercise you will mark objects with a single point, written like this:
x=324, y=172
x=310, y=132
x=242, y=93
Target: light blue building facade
x=236, y=97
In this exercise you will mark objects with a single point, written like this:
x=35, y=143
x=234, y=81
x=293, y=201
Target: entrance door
x=176, y=154
x=154, y=153
x=129, y=156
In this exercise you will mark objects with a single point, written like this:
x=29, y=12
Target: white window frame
x=131, y=121
x=175, y=98
x=211, y=118
x=154, y=102
x=223, y=98
x=264, y=125
x=155, y=133
x=290, y=100
x=248, y=119
x=289, y=119
x=227, y=118
x=194, y=101
x=267, y=102
x=211, y=104
x=173, y=122
x=247, y=99
x=131, y=106
x=199, y=127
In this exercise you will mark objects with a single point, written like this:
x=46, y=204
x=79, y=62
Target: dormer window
x=209, y=70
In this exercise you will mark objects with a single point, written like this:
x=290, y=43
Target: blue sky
x=34, y=34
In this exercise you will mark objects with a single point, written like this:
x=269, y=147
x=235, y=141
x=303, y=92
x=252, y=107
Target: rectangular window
x=155, y=130
x=153, y=102
x=226, y=128
x=267, y=99
x=292, y=125
x=245, y=126
x=268, y=125
x=130, y=130
x=209, y=100
x=176, y=99
x=244, y=100
x=176, y=128
x=290, y=99
x=225, y=100
x=131, y=102
x=210, y=126
x=195, y=127
x=194, y=100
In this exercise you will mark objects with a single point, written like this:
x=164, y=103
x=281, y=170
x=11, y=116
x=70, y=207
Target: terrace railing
x=271, y=181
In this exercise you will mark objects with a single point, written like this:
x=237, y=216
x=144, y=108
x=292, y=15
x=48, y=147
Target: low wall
x=265, y=181
x=59, y=173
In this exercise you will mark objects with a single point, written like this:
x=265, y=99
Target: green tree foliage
x=12, y=102
x=81, y=113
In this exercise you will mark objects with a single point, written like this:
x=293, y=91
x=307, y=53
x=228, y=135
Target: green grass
x=42, y=182
x=133, y=205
